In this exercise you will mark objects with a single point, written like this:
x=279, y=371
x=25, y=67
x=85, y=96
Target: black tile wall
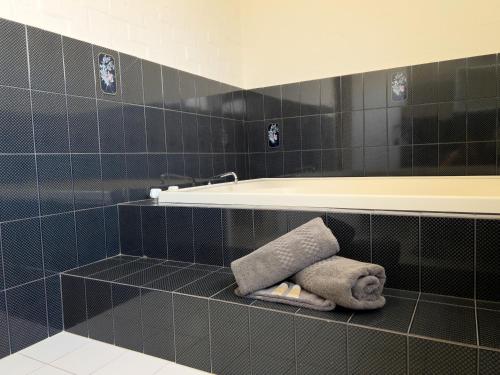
x=443, y=110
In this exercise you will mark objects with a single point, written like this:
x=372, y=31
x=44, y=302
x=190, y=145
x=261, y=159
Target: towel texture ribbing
x=346, y=282
x=283, y=257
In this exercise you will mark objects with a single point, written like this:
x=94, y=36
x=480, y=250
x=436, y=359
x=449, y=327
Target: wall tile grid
x=188, y=313
x=69, y=153
x=431, y=119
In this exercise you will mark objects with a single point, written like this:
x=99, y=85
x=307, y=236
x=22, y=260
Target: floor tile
x=18, y=364
x=49, y=370
x=132, y=363
x=489, y=328
x=78, y=361
x=55, y=347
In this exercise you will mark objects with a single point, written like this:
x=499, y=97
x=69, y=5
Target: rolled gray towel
x=292, y=294
x=346, y=282
x=283, y=257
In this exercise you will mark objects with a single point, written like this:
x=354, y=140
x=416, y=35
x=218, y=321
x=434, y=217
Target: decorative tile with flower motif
x=273, y=135
x=399, y=86
x=107, y=73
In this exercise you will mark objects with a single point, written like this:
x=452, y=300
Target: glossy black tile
x=292, y=164
x=291, y=99
x=481, y=158
x=481, y=76
x=452, y=122
x=488, y=362
x=481, y=120
x=395, y=246
x=189, y=101
x=432, y=357
x=180, y=233
x=488, y=330
x=148, y=275
x=375, y=127
x=127, y=317
x=111, y=228
x=45, y=60
x=192, y=336
x=331, y=131
x=189, y=132
x=399, y=126
x=99, y=310
x=87, y=183
x=74, y=305
x=177, y=280
x=229, y=338
x=27, y=315
x=131, y=75
x=55, y=185
x=15, y=120
x=204, y=134
x=274, y=164
x=154, y=232
x=340, y=314
x=175, y=165
x=237, y=231
x=22, y=252
x=208, y=285
x=171, y=88
x=157, y=324
x=228, y=295
x=448, y=256
x=228, y=135
x=311, y=163
x=59, y=242
x=97, y=267
x=443, y=321
x=425, y=124
x=352, y=161
x=272, y=102
x=135, y=128
x=353, y=233
x=78, y=67
x=207, y=225
x=114, y=178
x=50, y=122
x=90, y=236
x=375, y=89
x=320, y=346
x=330, y=95
x=452, y=80
x=173, y=131
x=487, y=241
x=269, y=225
x=310, y=129
x=254, y=105
x=310, y=92
x=13, y=58
x=352, y=92
x=111, y=132
x=137, y=173
x=130, y=229
x=352, y=129
x=292, y=139
x=424, y=83
x=272, y=338
x=425, y=160
x=400, y=160
x=4, y=331
x=217, y=134
x=377, y=352
x=83, y=126
x=54, y=305
x=331, y=163
x=395, y=316
x=452, y=159
x=155, y=130
x=152, y=83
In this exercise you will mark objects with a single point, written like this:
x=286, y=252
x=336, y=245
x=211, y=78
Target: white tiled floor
x=66, y=353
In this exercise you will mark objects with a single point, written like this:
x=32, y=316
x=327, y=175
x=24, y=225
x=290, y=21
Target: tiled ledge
x=188, y=313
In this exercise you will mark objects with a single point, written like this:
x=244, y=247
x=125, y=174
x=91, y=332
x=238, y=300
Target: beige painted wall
x=191, y=35
x=294, y=40
x=254, y=43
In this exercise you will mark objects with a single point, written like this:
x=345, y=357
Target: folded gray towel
x=292, y=294
x=346, y=282
x=283, y=257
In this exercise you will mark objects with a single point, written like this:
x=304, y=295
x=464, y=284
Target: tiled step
x=188, y=313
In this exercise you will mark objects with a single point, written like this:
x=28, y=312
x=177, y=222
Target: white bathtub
x=475, y=195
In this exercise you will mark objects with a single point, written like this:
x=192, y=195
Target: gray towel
x=346, y=282
x=292, y=294
x=283, y=257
